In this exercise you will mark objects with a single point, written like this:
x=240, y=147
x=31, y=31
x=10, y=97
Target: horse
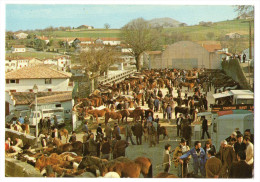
x=125, y=113
x=146, y=166
x=183, y=110
x=138, y=98
x=163, y=131
x=97, y=113
x=165, y=175
x=113, y=115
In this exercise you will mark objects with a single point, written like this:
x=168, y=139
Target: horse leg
x=97, y=119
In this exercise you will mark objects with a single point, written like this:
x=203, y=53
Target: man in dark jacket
x=138, y=132
x=240, y=169
x=239, y=145
x=128, y=133
x=204, y=127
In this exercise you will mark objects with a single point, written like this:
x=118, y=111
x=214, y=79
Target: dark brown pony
x=183, y=110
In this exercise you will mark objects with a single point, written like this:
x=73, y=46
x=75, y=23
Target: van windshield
x=32, y=114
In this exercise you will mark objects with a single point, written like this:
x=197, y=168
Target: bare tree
x=140, y=36
x=245, y=9
x=98, y=59
x=106, y=26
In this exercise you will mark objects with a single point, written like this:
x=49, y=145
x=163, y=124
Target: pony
x=165, y=175
x=183, y=110
x=113, y=115
x=96, y=113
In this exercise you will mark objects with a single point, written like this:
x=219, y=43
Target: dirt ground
x=156, y=153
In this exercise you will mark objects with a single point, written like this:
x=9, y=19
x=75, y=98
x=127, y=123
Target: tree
x=210, y=35
x=107, y=26
x=140, y=36
x=97, y=60
x=39, y=45
x=245, y=9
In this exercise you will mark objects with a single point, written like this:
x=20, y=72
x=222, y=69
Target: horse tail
x=150, y=172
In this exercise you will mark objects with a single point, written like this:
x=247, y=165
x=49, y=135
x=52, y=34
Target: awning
x=223, y=94
x=245, y=97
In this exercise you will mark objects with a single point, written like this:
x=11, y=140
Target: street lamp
x=35, y=91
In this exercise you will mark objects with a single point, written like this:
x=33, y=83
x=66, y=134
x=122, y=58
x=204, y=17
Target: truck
x=224, y=123
x=42, y=113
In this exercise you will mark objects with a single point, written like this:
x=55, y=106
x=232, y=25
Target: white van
x=45, y=113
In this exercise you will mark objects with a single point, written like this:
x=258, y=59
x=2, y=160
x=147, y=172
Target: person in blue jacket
x=199, y=158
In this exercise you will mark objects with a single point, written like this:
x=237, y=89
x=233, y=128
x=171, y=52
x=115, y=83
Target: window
x=12, y=90
x=7, y=81
x=17, y=81
x=49, y=89
x=6, y=64
x=12, y=81
x=30, y=90
x=58, y=105
x=48, y=81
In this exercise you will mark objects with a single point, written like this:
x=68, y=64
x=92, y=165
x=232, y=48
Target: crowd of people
x=234, y=159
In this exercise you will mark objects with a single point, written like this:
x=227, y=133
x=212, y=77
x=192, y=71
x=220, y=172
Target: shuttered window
x=7, y=81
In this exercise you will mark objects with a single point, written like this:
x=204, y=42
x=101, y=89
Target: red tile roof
x=18, y=46
x=36, y=72
x=62, y=97
x=153, y=52
x=212, y=47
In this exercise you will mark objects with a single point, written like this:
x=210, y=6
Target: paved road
x=156, y=153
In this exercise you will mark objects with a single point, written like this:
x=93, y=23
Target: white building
x=111, y=41
x=47, y=79
x=62, y=62
x=19, y=86
x=14, y=63
x=18, y=48
x=21, y=35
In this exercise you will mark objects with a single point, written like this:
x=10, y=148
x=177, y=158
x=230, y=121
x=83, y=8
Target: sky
x=28, y=16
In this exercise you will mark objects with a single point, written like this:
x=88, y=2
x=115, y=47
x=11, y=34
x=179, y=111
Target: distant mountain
x=165, y=22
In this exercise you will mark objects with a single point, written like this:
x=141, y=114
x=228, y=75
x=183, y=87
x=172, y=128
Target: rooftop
x=26, y=98
x=18, y=46
x=212, y=47
x=36, y=72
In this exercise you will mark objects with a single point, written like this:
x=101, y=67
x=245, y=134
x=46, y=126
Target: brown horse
x=125, y=113
x=145, y=165
x=138, y=98
x=112, y=115
x=96, y=113
x=186, y=84
x=183, y=110
x=165, y=175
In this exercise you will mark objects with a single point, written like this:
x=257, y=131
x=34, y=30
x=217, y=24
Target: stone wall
x=16, y=168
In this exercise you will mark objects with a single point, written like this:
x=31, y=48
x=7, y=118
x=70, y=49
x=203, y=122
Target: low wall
x=27, y=139
x=233, y=69
x=16, y=168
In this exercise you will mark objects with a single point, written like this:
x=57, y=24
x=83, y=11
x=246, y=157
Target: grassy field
x=196, y=33
x=199, y=33
x=39, y=55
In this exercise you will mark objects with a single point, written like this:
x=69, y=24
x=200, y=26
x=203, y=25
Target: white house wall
x=25, y=85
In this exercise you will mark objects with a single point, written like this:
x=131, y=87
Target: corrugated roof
x=54, y=98
x=26, y=98
x=36, y=72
